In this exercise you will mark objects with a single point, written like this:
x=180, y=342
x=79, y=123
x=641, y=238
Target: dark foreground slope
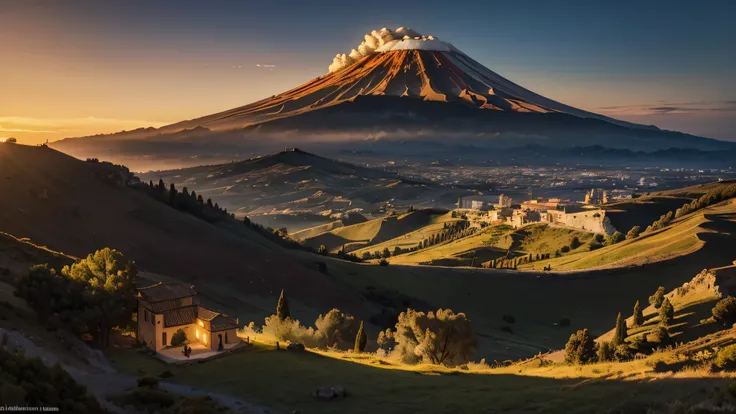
x=63, y=203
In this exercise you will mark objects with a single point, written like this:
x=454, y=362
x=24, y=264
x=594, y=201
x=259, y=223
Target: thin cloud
x=663, y=107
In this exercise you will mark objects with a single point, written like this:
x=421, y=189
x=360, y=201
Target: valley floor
x=285, y=381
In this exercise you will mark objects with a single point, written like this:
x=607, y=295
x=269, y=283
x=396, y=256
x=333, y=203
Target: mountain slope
x=299, y=184
x=63, y=203
x=419, y=89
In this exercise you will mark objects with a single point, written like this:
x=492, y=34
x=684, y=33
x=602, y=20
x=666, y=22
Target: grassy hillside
x=372, y=232
x=435, y=224
x=63, y=203
x=285, y=381
x=644, y=210
x=685, y=235
x=494, y=242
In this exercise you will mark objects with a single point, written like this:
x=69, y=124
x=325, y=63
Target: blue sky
x=98, y=66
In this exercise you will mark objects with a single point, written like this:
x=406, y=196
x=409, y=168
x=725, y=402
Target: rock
x=327, y=394
x=339, y=391
x=324, y=393
x=296, y=347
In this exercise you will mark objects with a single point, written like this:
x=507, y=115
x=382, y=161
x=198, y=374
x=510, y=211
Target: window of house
x=163, y=339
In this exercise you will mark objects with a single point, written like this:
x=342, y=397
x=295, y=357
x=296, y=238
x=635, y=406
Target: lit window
x=200, y=323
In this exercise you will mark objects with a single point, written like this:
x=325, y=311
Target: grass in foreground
x=285, y=381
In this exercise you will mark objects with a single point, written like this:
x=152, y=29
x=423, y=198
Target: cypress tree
x=638, y=317
x=172, y=195
x=619, y=334
x=282, y=307
x=360, y=340
x=161, y=185
x=666, y=312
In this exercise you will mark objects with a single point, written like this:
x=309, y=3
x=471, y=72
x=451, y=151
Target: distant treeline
x=707, y=199
x=194, y=204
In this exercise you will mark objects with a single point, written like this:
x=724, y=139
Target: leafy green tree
x=386, y=341
x=725, y=311
x=580, y=348
x=360, y=340
x=633, y=233
x=336, y=329
x=666, y=312
x=619, y=334
x=282, y=307
x=443, y=337
x=657, y=298
x=11, y=140
x=109, y=290
x=605, y=352
x=386, y=253
x=616, y=237
x=638, y=317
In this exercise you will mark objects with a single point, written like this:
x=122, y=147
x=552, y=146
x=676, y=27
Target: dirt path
x=102, y=380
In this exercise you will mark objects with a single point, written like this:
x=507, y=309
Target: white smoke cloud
x=385, y=40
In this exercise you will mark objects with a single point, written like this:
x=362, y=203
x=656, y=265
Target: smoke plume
x=373, y=42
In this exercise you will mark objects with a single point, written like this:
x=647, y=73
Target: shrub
x=633, y=233
x=386, y=341
x=659, y=335
x=443, y=337
x=575, y=243
x=580, y=348
x=565, y=249
x=165, y=374
x=509, y=319
x=148, y=396
x=11, y=140
x=149, y=382
x=605, y=352
x=179, y=337
x=726, y=358
x=383, y=262
x=616, y=237
x=288, y=330
x=336, y=329
x=594, y=245
x=657, y=298
x=622, y=353
x=725, y=311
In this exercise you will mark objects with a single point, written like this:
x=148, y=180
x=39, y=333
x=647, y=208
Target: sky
x=74, y=68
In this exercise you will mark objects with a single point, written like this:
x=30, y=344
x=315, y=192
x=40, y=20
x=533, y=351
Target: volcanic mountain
x=401, y=86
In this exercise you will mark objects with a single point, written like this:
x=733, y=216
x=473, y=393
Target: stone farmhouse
x=164, y=308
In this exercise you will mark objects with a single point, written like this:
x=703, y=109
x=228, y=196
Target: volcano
x=401, y=86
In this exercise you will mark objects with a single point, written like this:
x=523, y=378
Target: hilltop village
x=587, y=216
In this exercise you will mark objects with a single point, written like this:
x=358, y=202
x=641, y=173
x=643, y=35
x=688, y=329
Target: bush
x=165, y=374
x=336, y=329
x=580, y=348
x=594, y=245
x=443, y=337
x=616, y=237
x=605, y=352
x=725, y=311
x=383, y=262
x=148, y=396
x=288, y=330
x=622, y=353
x=509, y=319
x=575, y=243
x=386, y=341
x=659, y=335
x=726, y=358
x=633, y=233
x=657, y=298
x=565, y=249
x=149, y=382
x=179, y=337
